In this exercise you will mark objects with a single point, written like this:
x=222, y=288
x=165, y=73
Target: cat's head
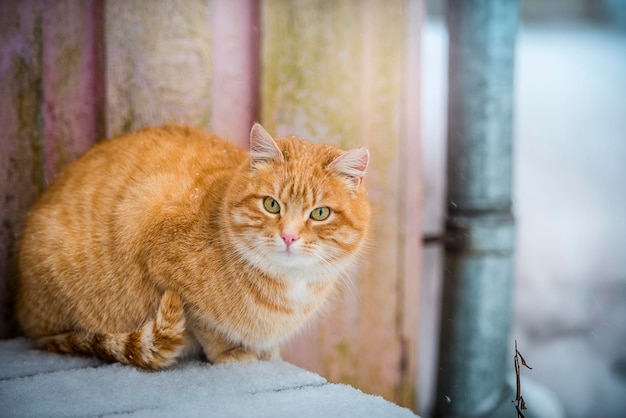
x=298, y=206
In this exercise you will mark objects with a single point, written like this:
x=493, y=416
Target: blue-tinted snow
x=36, y=383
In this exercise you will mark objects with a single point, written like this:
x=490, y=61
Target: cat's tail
x=154, y=346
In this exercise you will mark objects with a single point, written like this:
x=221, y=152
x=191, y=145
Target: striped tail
x=154, y=346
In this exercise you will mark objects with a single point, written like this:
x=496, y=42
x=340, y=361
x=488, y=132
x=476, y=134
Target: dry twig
x=520, y=405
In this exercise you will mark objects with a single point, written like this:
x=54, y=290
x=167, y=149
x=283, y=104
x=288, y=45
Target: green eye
x=271, y=205
x=320, y=214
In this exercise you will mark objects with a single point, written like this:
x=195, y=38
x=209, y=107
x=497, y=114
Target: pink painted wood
x=72, y=80
x=21, y=173
x=51, y=105
x=410, y=211
x=235, y=94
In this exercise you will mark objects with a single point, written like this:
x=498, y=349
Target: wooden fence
x=343, y=72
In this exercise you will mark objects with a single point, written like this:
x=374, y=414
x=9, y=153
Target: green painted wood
x=335, y=72
x=158, y=63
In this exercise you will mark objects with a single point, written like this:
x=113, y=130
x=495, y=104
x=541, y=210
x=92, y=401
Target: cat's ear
x=352, y=164
x=263, y=148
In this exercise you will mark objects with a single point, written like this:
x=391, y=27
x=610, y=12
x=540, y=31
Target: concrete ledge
x=36, y=383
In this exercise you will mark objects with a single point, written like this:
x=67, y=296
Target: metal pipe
x=479, y=241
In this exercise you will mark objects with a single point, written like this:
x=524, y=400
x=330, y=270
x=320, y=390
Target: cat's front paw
x=238, y=354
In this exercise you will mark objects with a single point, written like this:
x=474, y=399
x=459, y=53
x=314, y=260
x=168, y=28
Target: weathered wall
x=337, y=72
x=158, y=65
x=51, y=106
x=341, y=72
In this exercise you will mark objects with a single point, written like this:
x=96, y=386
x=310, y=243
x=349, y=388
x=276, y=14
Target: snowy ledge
x=36, y=383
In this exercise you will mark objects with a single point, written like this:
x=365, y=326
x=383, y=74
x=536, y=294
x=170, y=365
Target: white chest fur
x=300, y=291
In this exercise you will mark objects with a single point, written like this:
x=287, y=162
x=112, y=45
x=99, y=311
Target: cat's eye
x=271, y=205
x=321, y=213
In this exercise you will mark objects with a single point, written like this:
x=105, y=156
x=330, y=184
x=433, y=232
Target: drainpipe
x=474, y=352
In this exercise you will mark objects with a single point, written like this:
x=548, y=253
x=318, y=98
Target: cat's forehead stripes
x=306, y=155
x=297, y=193
x=302, y=177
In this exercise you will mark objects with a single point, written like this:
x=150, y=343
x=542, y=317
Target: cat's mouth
x=289, y=252
x=292, y=256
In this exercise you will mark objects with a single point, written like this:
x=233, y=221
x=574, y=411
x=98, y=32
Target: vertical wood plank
x=51, y=105
x=21, y=159
x=379, y=343
x=335, y=72
x=158, y=63
x=72, y=80
x=411, y=210
x=235, y=93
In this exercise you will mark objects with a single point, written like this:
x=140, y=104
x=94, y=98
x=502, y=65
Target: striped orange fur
x=167, y=239
x=155, y=345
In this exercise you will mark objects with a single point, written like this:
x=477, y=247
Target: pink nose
x=289, y=238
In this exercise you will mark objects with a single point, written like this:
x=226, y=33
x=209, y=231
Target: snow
x=37, y=383
x=570, y=281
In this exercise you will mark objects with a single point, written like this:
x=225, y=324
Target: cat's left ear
x=263, y=148
x=352, y=164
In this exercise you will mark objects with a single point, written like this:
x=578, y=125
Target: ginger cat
x=158, y=243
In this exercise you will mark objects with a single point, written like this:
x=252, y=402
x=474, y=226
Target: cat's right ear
x=263, y=148
x=352, y=165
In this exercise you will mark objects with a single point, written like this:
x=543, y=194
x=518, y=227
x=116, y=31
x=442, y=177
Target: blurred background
x=351, y=73
x=569, y=199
